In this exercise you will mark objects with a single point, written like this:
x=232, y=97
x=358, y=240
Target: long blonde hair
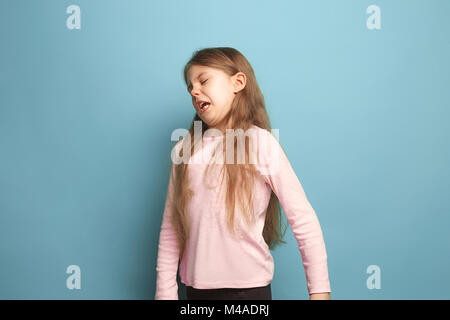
x=247, y=109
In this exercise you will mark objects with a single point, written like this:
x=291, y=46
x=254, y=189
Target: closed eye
x=190, y=86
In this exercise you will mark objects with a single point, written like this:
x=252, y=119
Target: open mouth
x=204, y=106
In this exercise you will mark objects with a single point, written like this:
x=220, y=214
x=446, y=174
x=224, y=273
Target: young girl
x=221, y=221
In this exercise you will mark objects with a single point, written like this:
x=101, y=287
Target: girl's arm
x=301, y=216
x=168, y=253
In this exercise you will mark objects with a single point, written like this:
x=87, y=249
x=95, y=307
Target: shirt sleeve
x=279, y=174
x=168, y=252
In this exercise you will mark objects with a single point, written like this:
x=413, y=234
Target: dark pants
x=257, y=293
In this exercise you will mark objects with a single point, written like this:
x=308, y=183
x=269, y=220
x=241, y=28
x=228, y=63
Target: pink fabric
x=213, y=258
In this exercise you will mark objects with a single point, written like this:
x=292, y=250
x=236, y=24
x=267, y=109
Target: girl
x=221, y=224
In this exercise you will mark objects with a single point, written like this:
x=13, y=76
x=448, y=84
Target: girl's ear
x=239, y=81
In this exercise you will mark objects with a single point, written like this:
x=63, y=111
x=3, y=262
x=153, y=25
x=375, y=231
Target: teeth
x=203, y=105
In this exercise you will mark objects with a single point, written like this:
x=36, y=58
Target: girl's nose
x=194, y=91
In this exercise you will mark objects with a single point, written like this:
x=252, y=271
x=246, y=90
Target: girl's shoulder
x=265, y=135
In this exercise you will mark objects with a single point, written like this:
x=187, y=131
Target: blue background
x=86, y=117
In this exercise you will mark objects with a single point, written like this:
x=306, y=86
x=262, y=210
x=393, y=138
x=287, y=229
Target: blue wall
x=86, y=116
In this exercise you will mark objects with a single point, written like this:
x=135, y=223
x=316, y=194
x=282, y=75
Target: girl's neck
x=222, y=127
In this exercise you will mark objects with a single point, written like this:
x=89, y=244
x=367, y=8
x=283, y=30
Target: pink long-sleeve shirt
x=213, y=257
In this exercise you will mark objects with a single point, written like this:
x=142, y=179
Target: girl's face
x=214, y=86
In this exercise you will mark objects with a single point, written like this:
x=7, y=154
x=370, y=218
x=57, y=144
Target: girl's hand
x=320, y=296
